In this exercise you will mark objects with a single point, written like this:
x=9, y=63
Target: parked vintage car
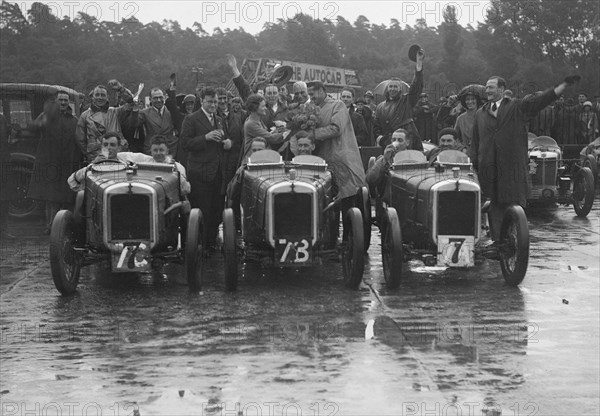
x=131, y=215
x=289, y=220
x=21, y=104
x=434, y=214
x=555, y=179
x=590, y=157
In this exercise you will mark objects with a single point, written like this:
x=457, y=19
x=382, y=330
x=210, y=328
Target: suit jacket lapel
x=502, y=112
x=205, y=121
x=155, y=118
x=98, y=117
x=487, y=107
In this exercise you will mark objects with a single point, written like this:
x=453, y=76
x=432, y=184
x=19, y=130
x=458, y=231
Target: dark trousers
x=495, y=217
x=345, y=205
x=207, y=196
x=234, y=194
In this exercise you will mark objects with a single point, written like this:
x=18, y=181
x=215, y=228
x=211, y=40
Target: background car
x=21, y=104
x=434, y=214
x=131, y=216
x=289, y=219
x=557, y=179
x=590, y=157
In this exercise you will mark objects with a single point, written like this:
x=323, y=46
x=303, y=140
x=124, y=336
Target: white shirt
x=495, y=113
x=161, y=111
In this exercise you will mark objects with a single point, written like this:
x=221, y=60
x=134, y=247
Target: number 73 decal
x=292, y=251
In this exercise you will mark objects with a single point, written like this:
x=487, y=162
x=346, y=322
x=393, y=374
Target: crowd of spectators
x=566, y=121
x=212, y=132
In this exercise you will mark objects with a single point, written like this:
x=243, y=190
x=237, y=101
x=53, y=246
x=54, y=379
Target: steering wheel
x=107, y=161
x=111, y=165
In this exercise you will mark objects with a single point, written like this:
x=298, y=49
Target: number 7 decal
x=458, y=242
x=286, y=252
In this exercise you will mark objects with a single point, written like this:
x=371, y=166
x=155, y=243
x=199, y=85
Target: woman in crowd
x=588, y=124
x=254, y=126
x=470, y=98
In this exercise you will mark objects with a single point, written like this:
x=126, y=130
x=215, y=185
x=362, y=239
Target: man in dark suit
x=157, y=120
x=499, y=147
x=359, y=124
x=203, y=137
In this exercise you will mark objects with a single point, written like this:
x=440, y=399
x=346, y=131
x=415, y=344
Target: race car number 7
x=299, y=248
x=458, y=242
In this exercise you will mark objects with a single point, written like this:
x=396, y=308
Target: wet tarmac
x=446, y=342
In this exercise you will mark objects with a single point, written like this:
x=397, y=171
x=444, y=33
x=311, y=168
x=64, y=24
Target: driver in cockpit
x=111, y=146
x=377, y=173
x=448, y=140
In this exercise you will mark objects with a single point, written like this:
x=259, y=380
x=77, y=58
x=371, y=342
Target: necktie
x=212, y=120
x=494, y=107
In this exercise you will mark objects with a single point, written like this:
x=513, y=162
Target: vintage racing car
x=434, y=214
x=289, y=220
x=555, y=179
x=131, y=215
x=590, y=157
x=21, y=104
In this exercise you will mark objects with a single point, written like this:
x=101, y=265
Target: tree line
x=533, y=44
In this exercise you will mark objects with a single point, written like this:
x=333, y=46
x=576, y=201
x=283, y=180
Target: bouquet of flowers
x=304, y=117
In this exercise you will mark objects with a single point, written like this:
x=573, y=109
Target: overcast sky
x=252, y=15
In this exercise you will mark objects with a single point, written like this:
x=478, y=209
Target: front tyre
x=21, y=206
x=353, y=260
x=193, y=250
x=364, y=203
x=79, y=217
x=583, y=192
x=514, y=245
x=64, y=263
x=391, y=248
x=591, y=163
x=230, y=250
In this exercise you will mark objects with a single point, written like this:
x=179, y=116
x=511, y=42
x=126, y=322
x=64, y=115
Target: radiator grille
x=293, y=214
x=129, y=217
x=457, y=213
x=545, y=172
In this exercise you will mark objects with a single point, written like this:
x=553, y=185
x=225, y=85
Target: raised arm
x=531, y=106
x=416, y=87
x=238, y=79
x=171, y=104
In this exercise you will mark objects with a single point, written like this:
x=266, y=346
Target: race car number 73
x=294, y=248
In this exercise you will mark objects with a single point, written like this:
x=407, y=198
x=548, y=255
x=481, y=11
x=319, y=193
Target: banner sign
x=329, y=76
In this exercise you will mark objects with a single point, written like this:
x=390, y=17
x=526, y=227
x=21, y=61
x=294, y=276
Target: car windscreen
x=20, y=112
